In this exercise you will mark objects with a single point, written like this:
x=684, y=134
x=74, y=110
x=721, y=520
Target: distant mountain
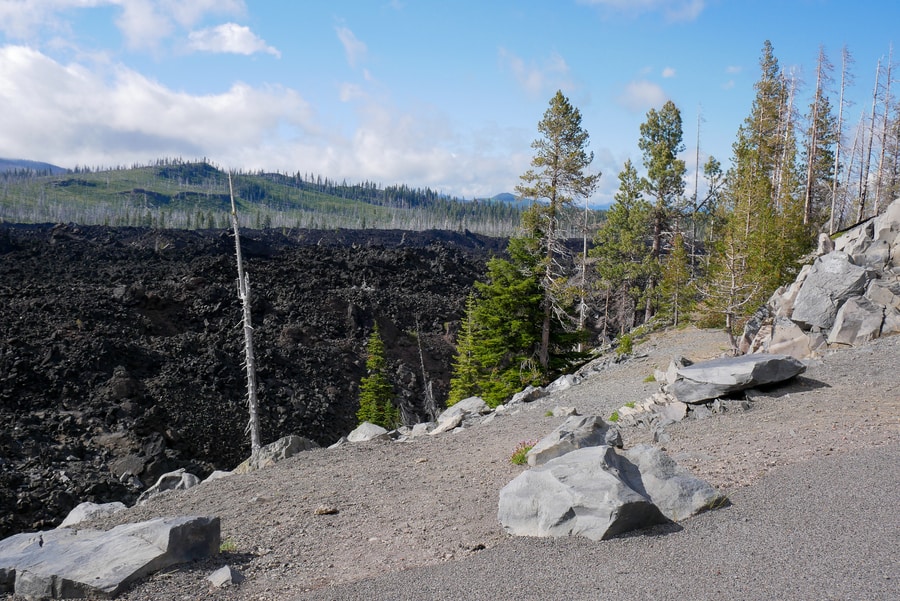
x=11, y=164
x=512, y=199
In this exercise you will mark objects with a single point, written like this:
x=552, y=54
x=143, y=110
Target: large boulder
x=67, y=563
x=577, y=494
x=832, y=280
x=719, y=377
x=858, y=320
x=472, y=406
x=574, y=433
x=600, y=492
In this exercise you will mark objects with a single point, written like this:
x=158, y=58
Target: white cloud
x=69, y=114
x=355, y=49
x=668, y=72
x=733, y=69
x=639, y=96
x=107, y=114
x=230, y=38
x=538, y=79
x=143, y=23
x=673, y=10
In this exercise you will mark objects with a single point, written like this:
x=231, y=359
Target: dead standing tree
x=250, y=361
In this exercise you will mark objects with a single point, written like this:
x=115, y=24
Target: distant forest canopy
x=175, y=193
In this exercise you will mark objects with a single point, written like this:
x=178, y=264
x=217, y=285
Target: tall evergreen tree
x=376, y=393
x=465, y=379
x=762, y=206
x=622, y=250
x=676, y=290
x=660, y=142
x=558, y=175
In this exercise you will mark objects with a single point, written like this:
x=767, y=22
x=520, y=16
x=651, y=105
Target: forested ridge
x=174, y=193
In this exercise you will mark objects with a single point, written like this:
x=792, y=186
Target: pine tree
x=622, y=250
x=465, y=378
x=557, y=175
x=762, y=231
x=376, y=393
x=660, y=142
x=676, y=291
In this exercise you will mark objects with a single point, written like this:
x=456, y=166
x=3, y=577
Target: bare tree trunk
x=812, y=147
x=864, y=167
x=884, y=127
x=244, y=295
x=846, y=59
x=430, y=405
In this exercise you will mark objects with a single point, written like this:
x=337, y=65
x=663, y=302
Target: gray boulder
x=447, y=424
x=858, y=320
x=711, y=379
x=655, y=475
x=574, y=433
x=562, y=383
x=467, y=407
x=530, y=394
x=67, y=563
x=578, y=494
x=368, y=431
x=832, y=280
x=177, y=480
x=86, y=510
x=284, y=447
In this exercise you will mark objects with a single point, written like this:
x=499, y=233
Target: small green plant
x=630, y=404
x=228, y=546
x=615, y=416
x=549, y=413
x=626, y=345
x=650, y=378
x=519, y=455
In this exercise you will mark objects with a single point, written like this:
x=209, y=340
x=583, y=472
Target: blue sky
x=430, y=93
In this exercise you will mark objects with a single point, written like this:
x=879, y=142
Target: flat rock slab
x=719, y=377
x=68, y=563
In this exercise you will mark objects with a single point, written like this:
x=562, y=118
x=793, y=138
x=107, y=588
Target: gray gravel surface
x=825, y=529
x=811, y=469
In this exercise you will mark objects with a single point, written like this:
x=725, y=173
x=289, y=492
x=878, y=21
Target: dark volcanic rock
x=121, y=352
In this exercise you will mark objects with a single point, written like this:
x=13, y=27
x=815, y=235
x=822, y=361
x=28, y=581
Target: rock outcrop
x=848, y=296
x=67, y=563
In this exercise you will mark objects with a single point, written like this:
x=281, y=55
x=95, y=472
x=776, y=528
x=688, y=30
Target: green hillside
x=178, y=194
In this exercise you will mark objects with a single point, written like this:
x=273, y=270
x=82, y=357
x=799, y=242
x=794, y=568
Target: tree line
x=664, y=256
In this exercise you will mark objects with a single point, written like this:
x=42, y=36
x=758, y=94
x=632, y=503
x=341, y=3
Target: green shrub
x=650, y=378
x=626, y=345
x=615, y=416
